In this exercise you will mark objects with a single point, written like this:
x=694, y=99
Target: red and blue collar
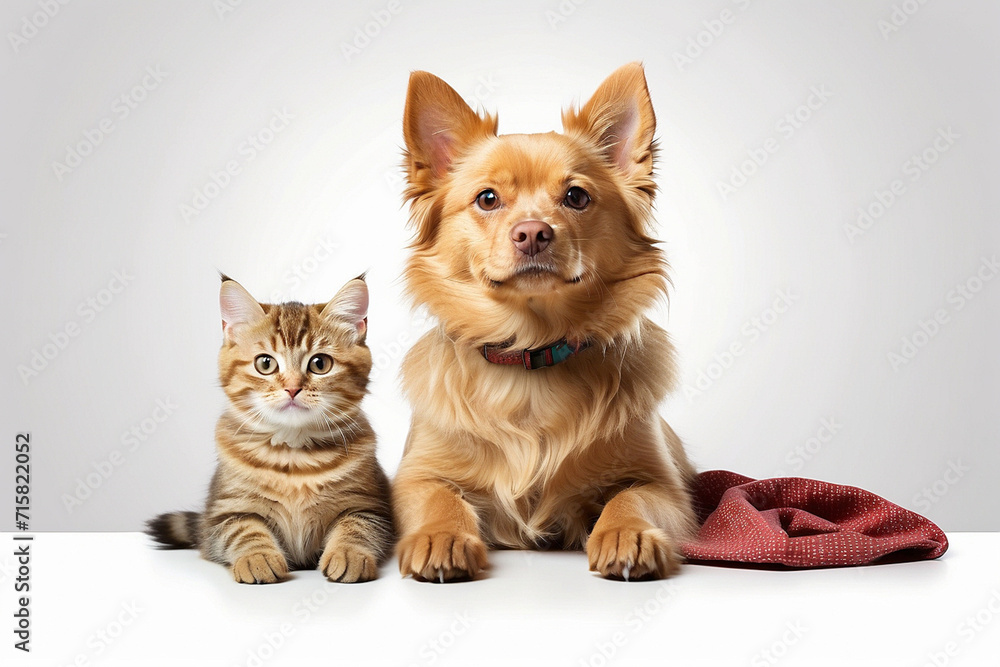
x=539, y=357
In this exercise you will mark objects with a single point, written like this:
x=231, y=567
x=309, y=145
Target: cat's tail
x=176, y=530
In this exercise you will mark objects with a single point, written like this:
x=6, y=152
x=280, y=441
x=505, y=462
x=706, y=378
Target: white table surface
x=111, y=599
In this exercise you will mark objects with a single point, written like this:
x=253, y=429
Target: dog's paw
x=260, y=567
x=348, y=563
x=635, y=550
x=441, y=555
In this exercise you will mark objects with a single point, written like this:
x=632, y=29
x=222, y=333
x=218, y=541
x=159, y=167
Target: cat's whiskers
x=345, y=420
x=258, y=421
x=256, y=414
x=340, y=420
x=342, y=436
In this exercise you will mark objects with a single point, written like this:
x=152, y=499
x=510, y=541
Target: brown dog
x=535, y=401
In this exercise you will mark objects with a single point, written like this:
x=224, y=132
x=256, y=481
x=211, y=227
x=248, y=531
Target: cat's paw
x=348, y=563
x=632, y=549
x=261, y=567
x=442, y=555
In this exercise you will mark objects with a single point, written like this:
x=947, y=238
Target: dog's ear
x=619, y=118
x=437, y=125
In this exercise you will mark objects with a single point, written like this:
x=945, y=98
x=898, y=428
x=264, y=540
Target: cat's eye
x=577, y=198
x=320, y=364
x=487, y=200
x=265, y=364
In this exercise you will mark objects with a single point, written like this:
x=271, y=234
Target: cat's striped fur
x=297, y=484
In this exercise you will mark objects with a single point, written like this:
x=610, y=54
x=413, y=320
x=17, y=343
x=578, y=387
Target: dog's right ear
x=437, y=125
x=619, y=118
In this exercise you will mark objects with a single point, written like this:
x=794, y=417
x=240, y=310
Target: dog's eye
x=577, y=197
x=487, y=200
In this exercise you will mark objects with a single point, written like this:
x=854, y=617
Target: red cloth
x=804, y=523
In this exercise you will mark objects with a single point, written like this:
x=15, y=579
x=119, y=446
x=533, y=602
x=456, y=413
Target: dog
x=534, y=421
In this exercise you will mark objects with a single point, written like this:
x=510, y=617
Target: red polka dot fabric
x=804, y=523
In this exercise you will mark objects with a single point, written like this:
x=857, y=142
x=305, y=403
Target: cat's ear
x=351, y=305
x=619, y=118
x=238, y=307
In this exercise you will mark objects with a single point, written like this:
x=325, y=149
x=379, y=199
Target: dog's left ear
x=437, y=126
x=619, y=117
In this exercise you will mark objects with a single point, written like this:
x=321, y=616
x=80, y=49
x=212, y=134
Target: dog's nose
x=531, y=236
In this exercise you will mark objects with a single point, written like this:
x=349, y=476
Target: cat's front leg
x=244, y=541
x=355, y=546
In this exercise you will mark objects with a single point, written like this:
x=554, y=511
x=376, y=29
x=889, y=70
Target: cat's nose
x=293, y=392
x=531, y=236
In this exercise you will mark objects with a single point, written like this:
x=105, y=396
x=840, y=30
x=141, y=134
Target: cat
x=297, y=484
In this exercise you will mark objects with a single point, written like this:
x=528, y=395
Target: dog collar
x=540, y=357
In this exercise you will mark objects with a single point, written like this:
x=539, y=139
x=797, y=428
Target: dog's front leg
x=439, y=531
x=638, y=533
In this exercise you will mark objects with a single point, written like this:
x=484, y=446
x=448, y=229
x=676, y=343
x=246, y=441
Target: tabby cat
x=297, y=484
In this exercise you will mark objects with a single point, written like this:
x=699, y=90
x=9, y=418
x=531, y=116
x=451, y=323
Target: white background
x=173, y=608
x=331, y=176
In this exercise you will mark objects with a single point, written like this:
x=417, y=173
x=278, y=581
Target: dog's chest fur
x=514, y=436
